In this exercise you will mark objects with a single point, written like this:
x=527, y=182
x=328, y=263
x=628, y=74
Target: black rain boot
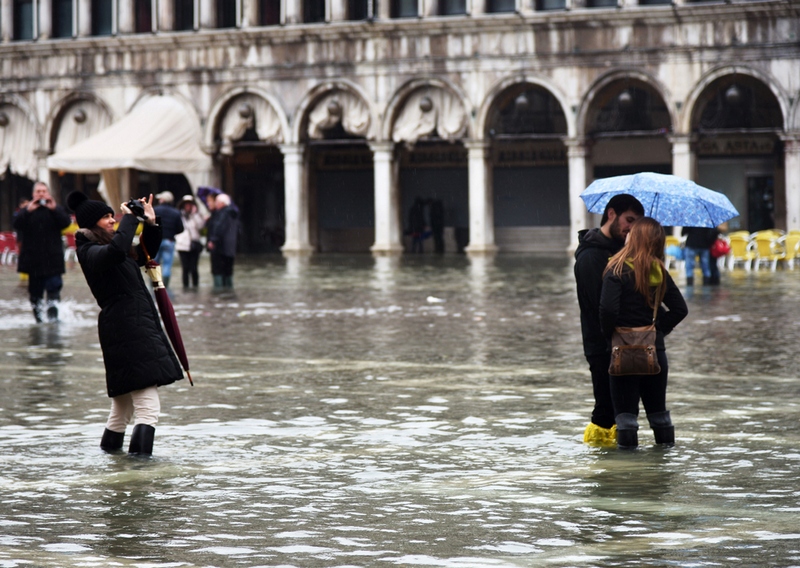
x=663, y=430
x=37, y=312
x=627, y=431
x=52, y=313
x=142, y=440
x=689, y=281
x=111, y=441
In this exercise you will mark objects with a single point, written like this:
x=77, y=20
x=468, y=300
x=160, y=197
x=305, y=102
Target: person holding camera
x=136, y=352
x=41, y=256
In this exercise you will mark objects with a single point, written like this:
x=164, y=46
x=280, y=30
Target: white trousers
x=141, y=405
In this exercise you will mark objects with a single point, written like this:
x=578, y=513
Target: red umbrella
x=153, y=270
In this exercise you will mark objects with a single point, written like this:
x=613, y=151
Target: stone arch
x=491, y=98
x=58, y=112
x=694, y=97
x=314, y=98
x=223, y=104
x=26, y=139
x=416, y=86
x=590, y=99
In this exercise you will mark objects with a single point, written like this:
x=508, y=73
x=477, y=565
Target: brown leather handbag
x=633, y=350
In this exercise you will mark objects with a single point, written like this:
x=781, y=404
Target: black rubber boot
x=37, y=312
x=663, y=430
x=111, y=441
x=142, y=440
x=52, y=313
x=689, y=281
x=627, y=431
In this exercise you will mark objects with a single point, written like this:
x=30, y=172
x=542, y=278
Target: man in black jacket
x=595, y=247
x=41, y=257
x=171, y=224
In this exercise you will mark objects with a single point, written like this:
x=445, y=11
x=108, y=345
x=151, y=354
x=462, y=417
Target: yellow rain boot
x=599, y=437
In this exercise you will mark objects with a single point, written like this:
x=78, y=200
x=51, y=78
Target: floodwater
x=351, y=411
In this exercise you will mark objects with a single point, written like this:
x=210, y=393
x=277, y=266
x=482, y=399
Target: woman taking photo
x=137, y=355
x=634, y=283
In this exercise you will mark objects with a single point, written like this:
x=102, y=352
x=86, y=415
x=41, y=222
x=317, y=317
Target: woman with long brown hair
x=635, y=282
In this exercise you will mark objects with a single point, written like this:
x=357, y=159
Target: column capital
x=477, y=145
x=292, y=149
x=577, y=147
x=791, y=142
x=385, y=146
x=682, y=138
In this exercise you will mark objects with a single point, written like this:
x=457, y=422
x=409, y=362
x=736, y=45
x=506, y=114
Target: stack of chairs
x=9, y=249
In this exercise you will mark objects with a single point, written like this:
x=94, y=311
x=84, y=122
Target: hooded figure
x=137, y=355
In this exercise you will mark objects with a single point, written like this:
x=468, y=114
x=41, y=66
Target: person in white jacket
x=188, y=242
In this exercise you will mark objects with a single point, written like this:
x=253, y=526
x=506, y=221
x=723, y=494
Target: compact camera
x=42, y=202
x=136, y=207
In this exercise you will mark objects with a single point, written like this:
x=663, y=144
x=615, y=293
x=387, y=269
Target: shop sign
x=736, y=146
x=530, y=154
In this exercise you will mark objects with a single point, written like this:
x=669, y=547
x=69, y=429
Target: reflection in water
x=351, y=411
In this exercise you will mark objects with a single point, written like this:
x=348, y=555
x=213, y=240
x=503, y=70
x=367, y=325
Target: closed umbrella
x=153, y=270
x=670, y=200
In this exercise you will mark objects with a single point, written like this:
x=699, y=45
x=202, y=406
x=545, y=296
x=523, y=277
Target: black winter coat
x=621, y=305
x=591, y=257
x=223, y=231
x=41, y=248
x=170, y=220
x=136, y=351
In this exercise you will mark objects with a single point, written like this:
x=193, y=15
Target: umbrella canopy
x=670, y=200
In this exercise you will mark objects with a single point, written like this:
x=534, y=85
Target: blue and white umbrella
x=670, y=200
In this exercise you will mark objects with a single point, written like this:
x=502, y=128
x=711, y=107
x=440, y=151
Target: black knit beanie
x=87, y=211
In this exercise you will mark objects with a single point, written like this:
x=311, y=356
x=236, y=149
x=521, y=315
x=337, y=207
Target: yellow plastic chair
x=791, y=247
x=742, y=250
x=768, y=249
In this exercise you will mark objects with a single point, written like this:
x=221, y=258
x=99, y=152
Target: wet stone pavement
x=351, y=411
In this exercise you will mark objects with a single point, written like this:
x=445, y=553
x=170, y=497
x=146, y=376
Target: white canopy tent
x=158, y=135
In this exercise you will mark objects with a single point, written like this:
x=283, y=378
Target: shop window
x=62, y=18
x=313, y=11
x=405, y=8
x=501, y=6
x=143, y=16
x=544, y=5
x=23, y=19
x=184, y=15
x=360, y=9
x=102, y=17
x=270, y=14
x=226, y=14
x=452, y=7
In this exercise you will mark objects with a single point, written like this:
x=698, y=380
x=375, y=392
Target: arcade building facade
x=326, y=120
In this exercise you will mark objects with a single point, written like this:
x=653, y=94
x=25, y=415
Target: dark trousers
x=189, y=261
x=651, y=389
x=603, y=412
x=38, y=285
x=221, y=265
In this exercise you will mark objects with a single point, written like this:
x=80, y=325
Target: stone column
x=684, y=162
x=298, y=233
x=578, y=215
x=476, y=7
x=387, y=201
x=7, y=18
x=791, y=168
x=84, y=18
x=250, y=13
x=45, y=19
x=208, y=14
x=125, y=17
x=292, y=11
x=336, y=11
x=384, y=10
x=429, y=8
x=166, y=16
x=481, y=205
